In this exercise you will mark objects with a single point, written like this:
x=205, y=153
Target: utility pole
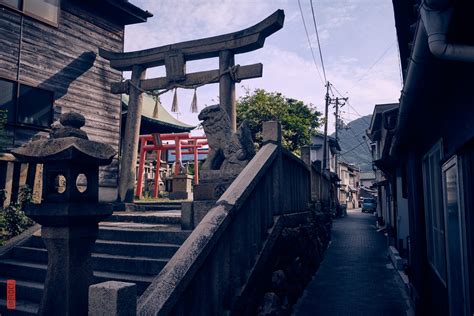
x=325, y=145
x=336, y=114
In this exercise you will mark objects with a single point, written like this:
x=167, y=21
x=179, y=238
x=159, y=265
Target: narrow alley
x=355, y=277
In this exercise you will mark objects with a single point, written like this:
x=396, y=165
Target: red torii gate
x=154, y=142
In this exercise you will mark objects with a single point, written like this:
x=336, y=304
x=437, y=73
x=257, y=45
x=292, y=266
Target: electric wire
x=319, y=43
x=352, y=149
x=349, y=104
x=385, y=52
x=310, y=45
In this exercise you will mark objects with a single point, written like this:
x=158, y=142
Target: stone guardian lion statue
x=228, y=151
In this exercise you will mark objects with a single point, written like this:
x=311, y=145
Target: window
x=11, y=3
x=455, y=238
x=24, y=107
x=7, y=100
x=34, y=106
x=43, y=10
x=434, y=216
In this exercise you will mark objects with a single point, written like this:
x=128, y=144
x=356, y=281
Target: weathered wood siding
x=56, y=59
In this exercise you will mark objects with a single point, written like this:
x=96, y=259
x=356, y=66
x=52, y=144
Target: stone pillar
x=132, y=132
x=182, y=187
x=113, y=298
x=69, y=269
x=306, y=157
x=227, y=87
x=271, y=133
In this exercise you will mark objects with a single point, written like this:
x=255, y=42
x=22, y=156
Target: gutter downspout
x=431, y=29
x=436, y=16
x=416, y=76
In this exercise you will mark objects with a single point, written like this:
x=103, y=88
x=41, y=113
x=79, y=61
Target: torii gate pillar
x=227, y=99
x=132, y=133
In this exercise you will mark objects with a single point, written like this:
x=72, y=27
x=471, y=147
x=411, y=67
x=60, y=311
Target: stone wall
x=297, y=254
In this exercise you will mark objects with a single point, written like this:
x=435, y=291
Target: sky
x=358, y=43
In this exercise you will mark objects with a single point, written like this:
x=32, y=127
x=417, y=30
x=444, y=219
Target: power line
x=317, y=37
x=377, y=61
x=352, y=149
x=309, y=42
x=349, y=104
x=367, y=149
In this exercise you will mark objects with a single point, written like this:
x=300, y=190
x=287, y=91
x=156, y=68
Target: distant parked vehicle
x=369, y=205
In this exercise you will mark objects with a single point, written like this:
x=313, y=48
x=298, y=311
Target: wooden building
x=49, y=64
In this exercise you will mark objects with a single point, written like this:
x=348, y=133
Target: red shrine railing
x=178, y=144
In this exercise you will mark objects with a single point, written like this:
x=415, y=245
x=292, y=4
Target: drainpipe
x=417, y=75
x=430, y=40
x=436, y=16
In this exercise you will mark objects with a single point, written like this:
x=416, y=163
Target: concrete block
x=108, y=194
x=210, y=190
x=113, y=298
x=395, y=258
x=271, y=132
x=181, y=195
x=200, y=209
x=182, y=183
x=187, y=215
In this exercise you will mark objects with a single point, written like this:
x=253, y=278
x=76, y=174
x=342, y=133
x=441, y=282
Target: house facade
x=349, y=185
x=367, y=179
x=430, y=155
x=317, y=150
x=380, y=133
x=50, y=65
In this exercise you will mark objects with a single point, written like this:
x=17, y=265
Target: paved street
x=355, y=277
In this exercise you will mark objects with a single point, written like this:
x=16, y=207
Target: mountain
x=354, y=149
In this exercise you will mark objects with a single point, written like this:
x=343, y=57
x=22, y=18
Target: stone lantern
x=70, y=211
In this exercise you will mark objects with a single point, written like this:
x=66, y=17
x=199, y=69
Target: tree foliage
x=299, y=121
x=13, y=220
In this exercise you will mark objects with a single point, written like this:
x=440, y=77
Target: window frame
x=455, y=162
x=16, y=123
x=20, y=10
x=430, y=216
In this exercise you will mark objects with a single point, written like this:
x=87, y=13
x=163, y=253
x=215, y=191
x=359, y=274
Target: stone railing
x=208, y=271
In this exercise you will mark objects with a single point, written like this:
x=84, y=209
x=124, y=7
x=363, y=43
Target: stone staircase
x=131, y=247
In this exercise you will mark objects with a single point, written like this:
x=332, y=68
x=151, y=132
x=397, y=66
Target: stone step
x=151, y=217
x=23, y=308
x=121, y=248
x=128, y=243
x=139, y=226
x=36, y=272
x=147, y=206
x=168, y=234
x=106, y=262
x=25, y=290
x=137, y=249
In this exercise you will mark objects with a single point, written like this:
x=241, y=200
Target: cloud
x=190, y=19
x=353, y=34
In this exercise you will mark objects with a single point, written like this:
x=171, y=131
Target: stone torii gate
x=174, y=58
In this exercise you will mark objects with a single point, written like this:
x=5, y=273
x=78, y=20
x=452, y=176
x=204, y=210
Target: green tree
x=299, y=121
